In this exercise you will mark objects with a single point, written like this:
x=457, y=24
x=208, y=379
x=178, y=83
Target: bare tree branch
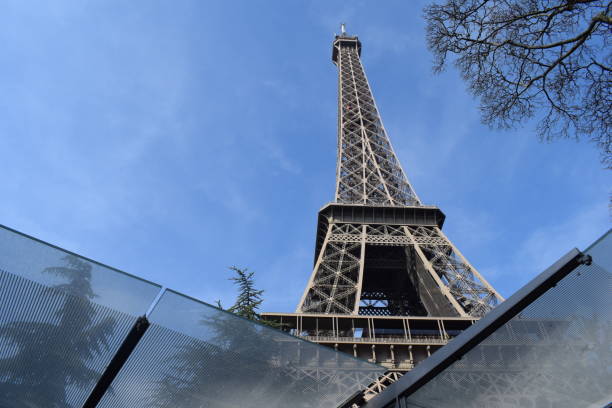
x=526, y=58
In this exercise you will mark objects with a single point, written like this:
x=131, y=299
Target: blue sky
x=172, y=139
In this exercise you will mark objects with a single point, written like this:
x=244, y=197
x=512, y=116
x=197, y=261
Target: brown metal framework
x=387, y=285
x=369, y=262
x=368, y=170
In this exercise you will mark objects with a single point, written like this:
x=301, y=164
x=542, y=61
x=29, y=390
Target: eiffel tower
x=387, y=284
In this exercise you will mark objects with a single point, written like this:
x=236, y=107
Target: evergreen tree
x=249, y=299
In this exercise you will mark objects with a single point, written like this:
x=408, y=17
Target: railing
x=390, y=340
x=393, y=365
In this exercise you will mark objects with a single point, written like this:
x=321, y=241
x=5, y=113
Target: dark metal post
x=119, y=359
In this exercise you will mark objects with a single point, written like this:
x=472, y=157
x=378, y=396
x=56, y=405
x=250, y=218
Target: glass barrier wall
x=63, y=318
x=554, y=353
x=196, y=355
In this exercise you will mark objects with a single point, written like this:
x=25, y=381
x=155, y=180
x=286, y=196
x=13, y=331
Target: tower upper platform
x=347, y=41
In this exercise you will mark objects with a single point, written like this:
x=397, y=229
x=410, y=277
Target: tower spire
x=368, y=171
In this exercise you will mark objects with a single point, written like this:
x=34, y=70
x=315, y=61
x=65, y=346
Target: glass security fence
x=64, y=319
x=556, y=352
x=198, y=356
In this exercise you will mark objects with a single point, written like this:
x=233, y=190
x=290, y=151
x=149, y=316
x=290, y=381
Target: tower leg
x=337, y=273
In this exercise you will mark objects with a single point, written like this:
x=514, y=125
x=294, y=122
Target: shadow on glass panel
x=48, y=337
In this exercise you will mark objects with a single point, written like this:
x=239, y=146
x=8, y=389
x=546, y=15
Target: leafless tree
x=548, y=58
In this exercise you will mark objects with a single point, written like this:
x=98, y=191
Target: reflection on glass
x=46, y=354
x=201, y=371
x=62, y=319
x=553, y=354
x=195, y=355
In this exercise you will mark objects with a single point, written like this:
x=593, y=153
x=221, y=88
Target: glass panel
x=56, y=334
x=51, y=266
x=554, y=353
x=195, y=355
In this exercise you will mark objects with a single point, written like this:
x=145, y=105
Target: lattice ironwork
x=381, y=384
x=368, y=170
x=337, y=282
x=376, y=269
x=344, y=381
x=333, y=288
x=474, y=294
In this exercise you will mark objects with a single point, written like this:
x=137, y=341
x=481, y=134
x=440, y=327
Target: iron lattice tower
x=387, y=285
x=379, y=251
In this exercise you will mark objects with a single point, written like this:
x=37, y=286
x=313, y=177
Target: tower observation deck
x=387, y=284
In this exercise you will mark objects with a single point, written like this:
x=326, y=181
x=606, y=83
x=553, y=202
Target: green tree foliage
x=52, y=355
x=526, y=57
x=249, y=299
